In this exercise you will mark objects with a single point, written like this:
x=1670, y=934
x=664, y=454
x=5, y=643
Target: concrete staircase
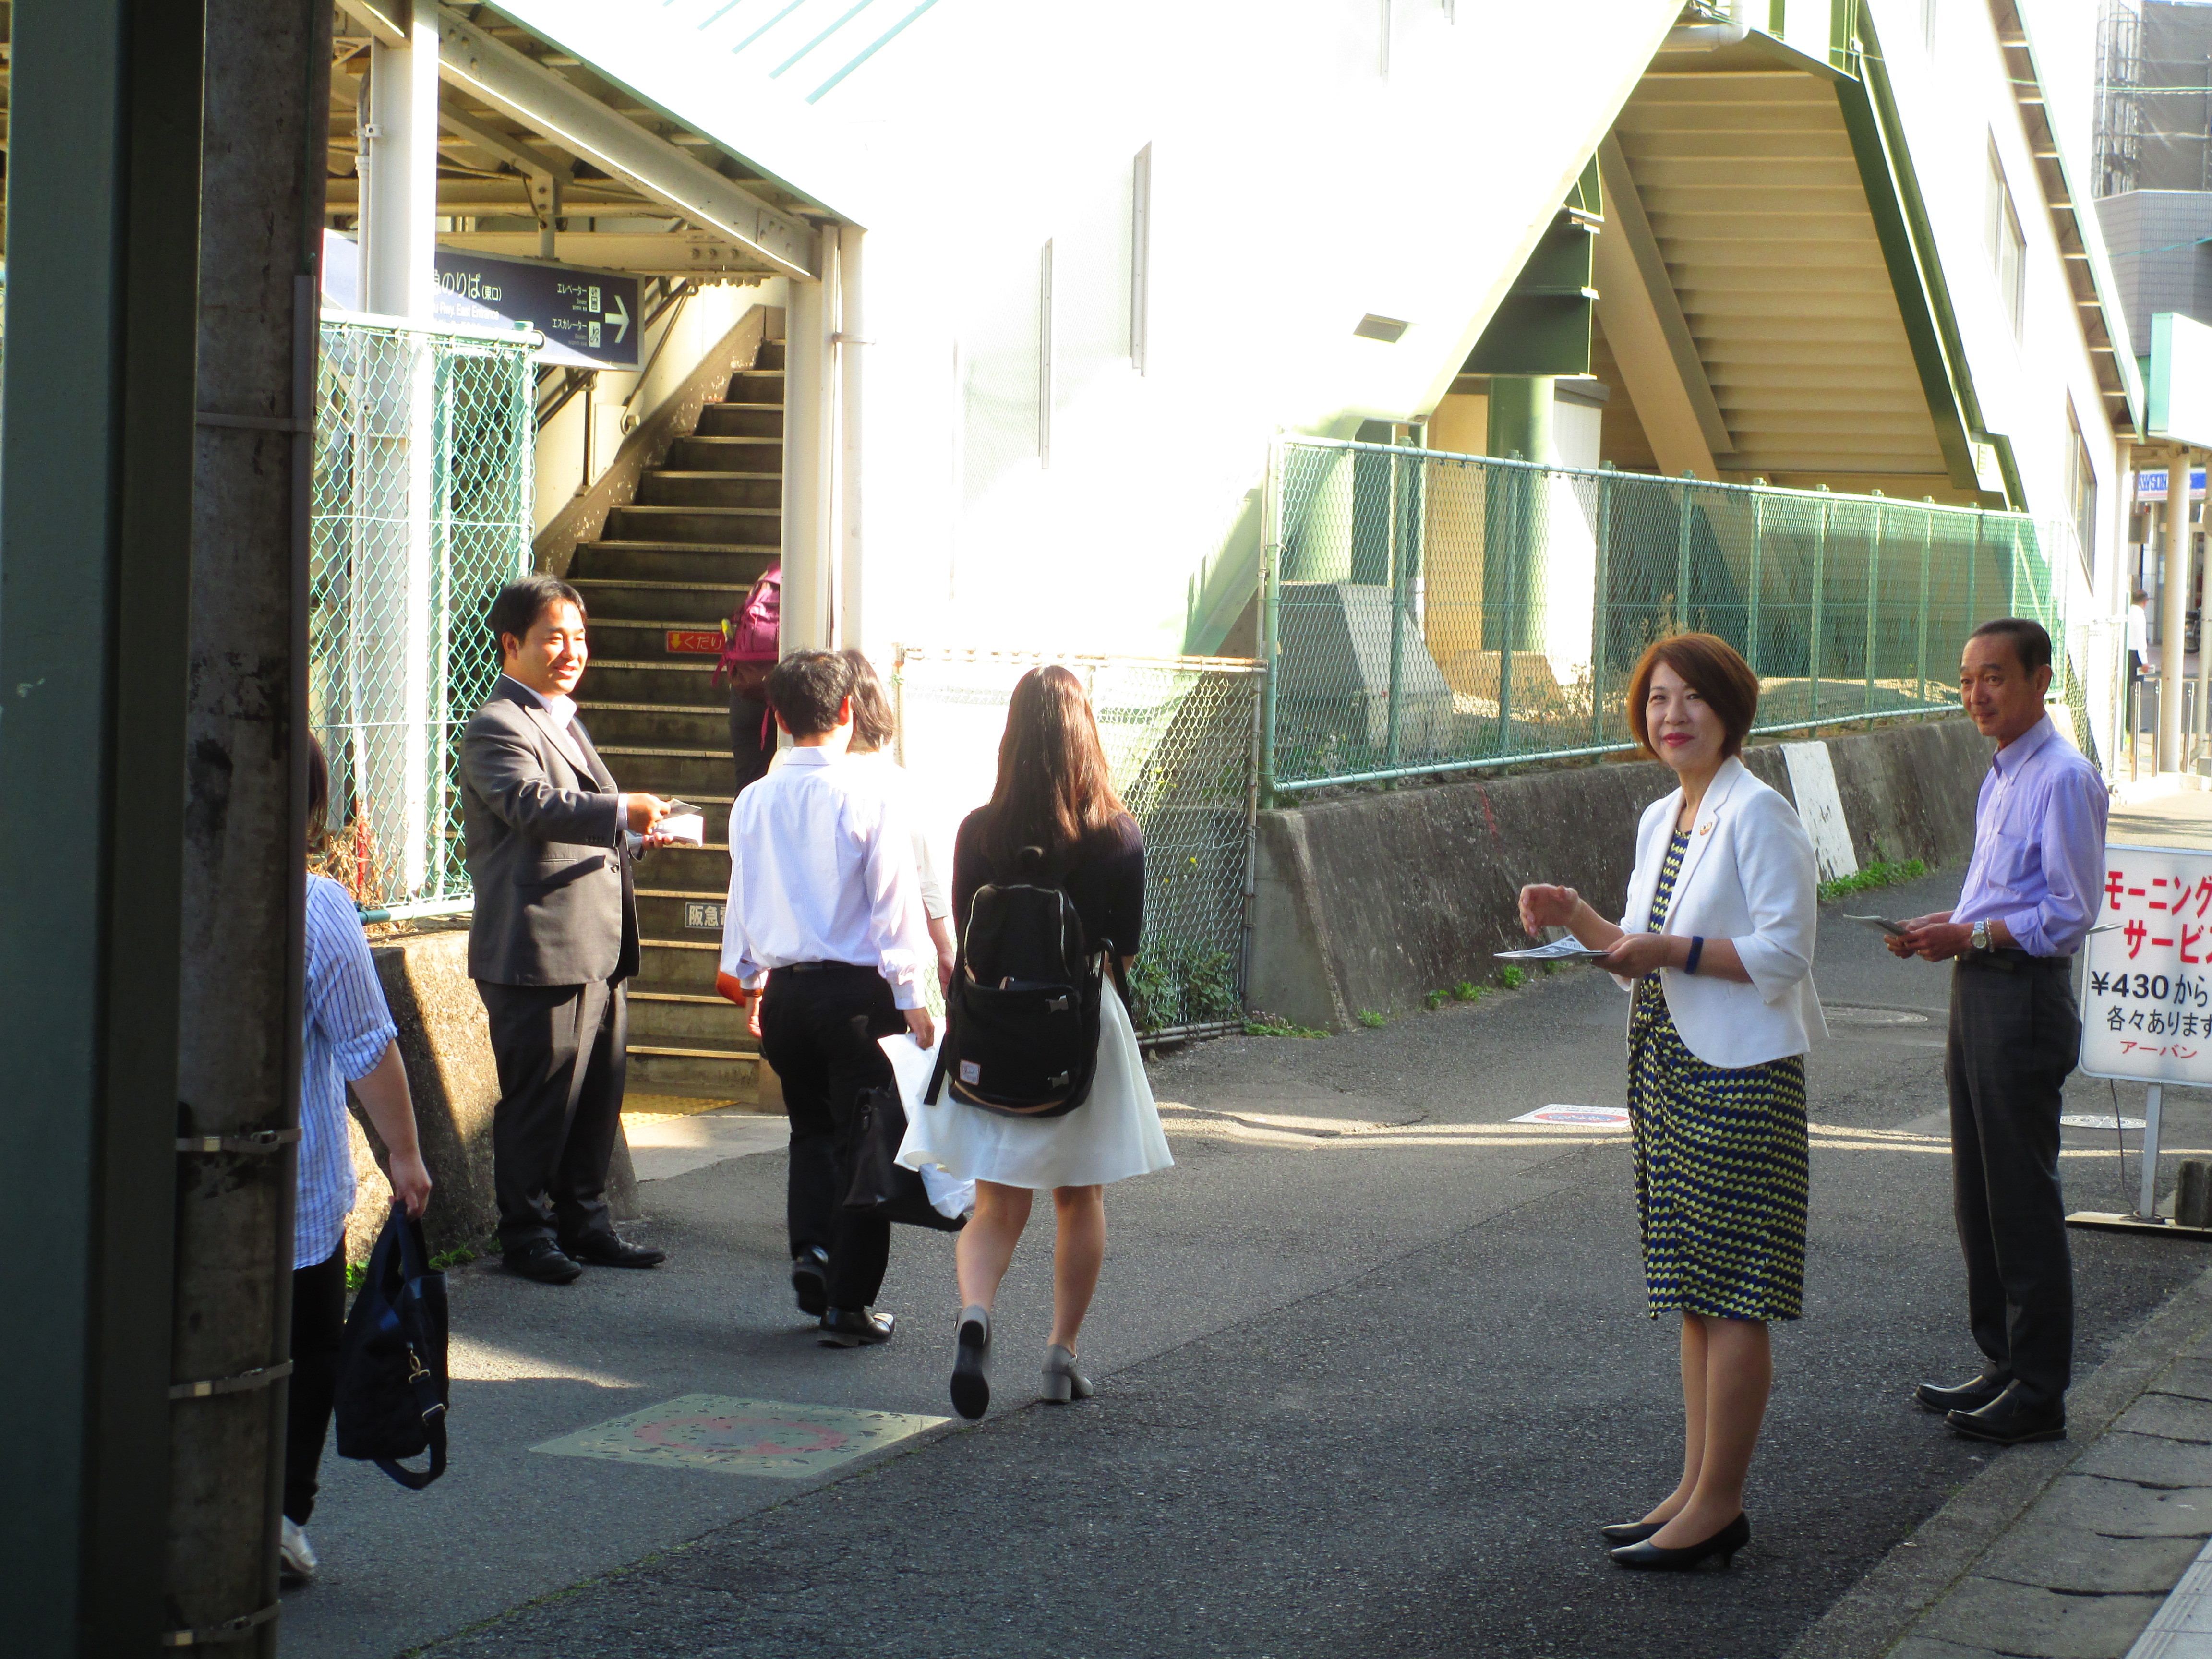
x=667, y=569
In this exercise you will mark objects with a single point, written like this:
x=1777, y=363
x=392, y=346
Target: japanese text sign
x=2147, y=985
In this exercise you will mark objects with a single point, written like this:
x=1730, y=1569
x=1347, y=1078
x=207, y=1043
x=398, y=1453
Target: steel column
x=1820, y=583
x=1873, y=606
x=1600, y=620
x=2173, y=608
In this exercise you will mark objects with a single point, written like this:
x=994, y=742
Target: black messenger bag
x=392, y=1388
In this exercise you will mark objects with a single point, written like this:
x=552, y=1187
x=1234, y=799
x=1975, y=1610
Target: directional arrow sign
x=585, y=315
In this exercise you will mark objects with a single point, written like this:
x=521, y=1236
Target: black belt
x=823, y=968
x=2010, y=959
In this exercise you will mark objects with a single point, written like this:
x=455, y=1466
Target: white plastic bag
x=912, y=1064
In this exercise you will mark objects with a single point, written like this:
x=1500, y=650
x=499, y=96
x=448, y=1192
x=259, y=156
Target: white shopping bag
x=912, y=1064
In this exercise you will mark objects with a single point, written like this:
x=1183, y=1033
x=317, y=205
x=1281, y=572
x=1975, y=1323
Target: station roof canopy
x=541, y=157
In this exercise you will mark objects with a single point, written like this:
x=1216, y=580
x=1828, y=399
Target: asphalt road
x=1373, y=1365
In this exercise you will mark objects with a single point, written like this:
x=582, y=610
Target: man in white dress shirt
x=823, y=925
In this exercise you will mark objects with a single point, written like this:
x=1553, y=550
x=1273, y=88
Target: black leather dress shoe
x=542, y=1260
x=810, y=1280
x=613, y=1252
x=854, y=1328
x=1629, y=1532
x=2012, y=1419
x=1966, y=1397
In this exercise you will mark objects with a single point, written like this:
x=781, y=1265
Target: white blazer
x=1748, y=876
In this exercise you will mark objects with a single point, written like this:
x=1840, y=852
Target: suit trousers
x=2014, y=1038
x=819, y=1029
x=319, y=1314
x=562, y=1053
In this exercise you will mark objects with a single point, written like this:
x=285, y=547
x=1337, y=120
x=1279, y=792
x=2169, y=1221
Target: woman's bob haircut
x=1710, y=667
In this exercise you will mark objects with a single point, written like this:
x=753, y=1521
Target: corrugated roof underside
x=1756, y=205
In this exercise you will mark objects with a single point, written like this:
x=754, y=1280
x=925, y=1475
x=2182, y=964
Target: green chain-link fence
x=1180, y=736
x=1429, y=611
x=423, y=455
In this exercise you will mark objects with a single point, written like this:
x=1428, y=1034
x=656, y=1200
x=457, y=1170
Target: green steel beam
x=1916, y=271
x=102, y=222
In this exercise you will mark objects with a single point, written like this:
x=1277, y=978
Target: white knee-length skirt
x=1115, y=1133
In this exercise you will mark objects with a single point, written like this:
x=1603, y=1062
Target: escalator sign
x=589, y=317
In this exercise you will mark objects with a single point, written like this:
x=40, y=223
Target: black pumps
x=1630, y=1532
x=971, y=1365
x=1650, y=1557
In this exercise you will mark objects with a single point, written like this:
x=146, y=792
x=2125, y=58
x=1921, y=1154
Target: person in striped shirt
x=349, y=1040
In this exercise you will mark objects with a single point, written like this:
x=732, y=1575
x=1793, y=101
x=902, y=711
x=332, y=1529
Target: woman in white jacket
x=1716, y=950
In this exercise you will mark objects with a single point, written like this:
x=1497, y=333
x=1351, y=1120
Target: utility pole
x=265, y=96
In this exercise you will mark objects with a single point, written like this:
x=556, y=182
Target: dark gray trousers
x=2015, y=1037
x=561, y=1051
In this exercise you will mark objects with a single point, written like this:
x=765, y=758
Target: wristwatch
x=1980, y=938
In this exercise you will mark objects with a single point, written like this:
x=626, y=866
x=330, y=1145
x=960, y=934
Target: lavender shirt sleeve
x=2071, y=838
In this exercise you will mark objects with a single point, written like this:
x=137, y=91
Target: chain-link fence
x=1429, y=613
x=421, y=509
x=1180, y=735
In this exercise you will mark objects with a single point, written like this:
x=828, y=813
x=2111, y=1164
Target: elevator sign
x=589, y=317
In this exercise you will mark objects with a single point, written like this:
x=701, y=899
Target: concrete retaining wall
x=447, y=1046
x=1373, y=901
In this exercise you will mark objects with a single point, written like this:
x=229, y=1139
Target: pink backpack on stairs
x=751, y=636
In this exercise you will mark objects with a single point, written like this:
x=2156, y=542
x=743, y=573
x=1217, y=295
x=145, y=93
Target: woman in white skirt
x=1053, y=792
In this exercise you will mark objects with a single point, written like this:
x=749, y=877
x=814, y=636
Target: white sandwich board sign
x=2146, y=972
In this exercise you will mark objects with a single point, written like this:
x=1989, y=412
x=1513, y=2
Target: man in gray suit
x=550, y=841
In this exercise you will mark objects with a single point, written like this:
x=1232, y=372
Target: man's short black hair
x=2030, y=644
x=523, y=601
x=807, y=688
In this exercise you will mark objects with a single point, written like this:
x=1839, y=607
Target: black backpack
x=391, y=1387
x=1021, y=1021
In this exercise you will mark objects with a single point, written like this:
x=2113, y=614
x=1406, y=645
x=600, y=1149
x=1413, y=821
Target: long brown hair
x=1054, y=791
x=874, y=726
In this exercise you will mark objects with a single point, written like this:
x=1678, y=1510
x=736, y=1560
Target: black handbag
x=393, y=1390
x=880, y=1182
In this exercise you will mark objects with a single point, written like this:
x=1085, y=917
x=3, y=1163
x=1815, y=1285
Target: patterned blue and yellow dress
x=1721, y=1162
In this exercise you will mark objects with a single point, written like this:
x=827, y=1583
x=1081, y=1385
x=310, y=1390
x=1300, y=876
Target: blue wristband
x=1697, y=950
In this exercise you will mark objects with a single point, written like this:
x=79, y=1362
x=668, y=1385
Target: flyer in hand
x=1568, y=949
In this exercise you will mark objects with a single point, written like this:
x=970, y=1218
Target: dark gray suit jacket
x=554, y=899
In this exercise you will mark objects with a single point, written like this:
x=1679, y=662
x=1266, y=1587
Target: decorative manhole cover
x=740, y=1436
x=1845, y=1014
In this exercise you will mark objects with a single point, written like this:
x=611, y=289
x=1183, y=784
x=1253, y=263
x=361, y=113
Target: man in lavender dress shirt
x=2031, y=895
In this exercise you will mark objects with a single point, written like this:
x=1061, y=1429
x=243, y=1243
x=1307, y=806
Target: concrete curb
x=1921, y=1572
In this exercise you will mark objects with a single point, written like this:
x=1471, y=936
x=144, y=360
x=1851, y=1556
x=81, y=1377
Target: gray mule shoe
x=1062, y=1382
x=971, y=1381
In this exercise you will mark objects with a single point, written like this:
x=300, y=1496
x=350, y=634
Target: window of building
x=2008, y=247
x=1141, y=256
x=1044, y=357
x=2082, y=495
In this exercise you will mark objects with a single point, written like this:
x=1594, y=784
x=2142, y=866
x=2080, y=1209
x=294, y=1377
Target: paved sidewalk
x=2077, y=1549
x=2066, y=1550
x=1374, y=1362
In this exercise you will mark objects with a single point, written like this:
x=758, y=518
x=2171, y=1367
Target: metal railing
x=424, y=448
x=1181, y=736
x=1427, y=612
